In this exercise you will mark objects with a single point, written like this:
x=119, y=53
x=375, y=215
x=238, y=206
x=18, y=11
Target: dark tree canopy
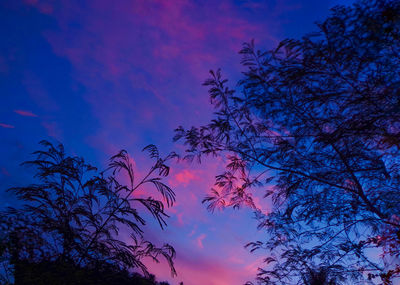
x=315, y=121
x=59, y=273
x=320, y=276
x=78, y=219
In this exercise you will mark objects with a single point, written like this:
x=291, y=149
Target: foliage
x=88, y=219
x=57, y=273
x=319, y=276
x=315, y=123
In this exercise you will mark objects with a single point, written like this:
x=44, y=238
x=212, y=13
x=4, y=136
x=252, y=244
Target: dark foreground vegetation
x=58, y=273
x=313, y=126
x=77, y=225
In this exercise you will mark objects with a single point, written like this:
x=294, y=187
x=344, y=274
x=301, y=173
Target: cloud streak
x=7, y=126
x=25, y=113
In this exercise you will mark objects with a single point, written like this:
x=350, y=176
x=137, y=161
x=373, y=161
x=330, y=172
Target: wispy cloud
x=200, y=239
x=25, y=113
x=7, y=126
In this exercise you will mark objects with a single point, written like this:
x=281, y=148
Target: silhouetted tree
x=319, y=276
x=316, y=123
x=79, y=220
x=57, y=273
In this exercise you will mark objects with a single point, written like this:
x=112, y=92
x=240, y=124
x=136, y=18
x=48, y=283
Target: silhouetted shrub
x=80, y=224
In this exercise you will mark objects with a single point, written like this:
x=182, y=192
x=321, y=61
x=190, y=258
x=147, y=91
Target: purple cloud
x=25, y=113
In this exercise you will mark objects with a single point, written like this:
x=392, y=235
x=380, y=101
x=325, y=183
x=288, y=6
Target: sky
x=100, y=76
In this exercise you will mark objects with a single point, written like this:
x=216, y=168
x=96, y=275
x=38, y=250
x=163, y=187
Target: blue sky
x=101, y=76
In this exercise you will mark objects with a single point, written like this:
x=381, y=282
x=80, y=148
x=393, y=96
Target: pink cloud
x=200, y=270
x=180, y=219
x=171, y=34
x=261, y=203
x=7, y=126
x=235, y=259
x=184, y=177
x=199, y=240
x=25, y=113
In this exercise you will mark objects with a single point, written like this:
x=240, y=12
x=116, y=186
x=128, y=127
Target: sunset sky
x=100, y=76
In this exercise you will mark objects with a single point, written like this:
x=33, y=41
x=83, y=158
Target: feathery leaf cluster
x=77, y=215
x=316, y=122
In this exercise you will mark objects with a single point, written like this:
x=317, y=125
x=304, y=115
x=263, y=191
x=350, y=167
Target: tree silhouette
x=320, y=276
x=316, y=123
x=84, y=221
